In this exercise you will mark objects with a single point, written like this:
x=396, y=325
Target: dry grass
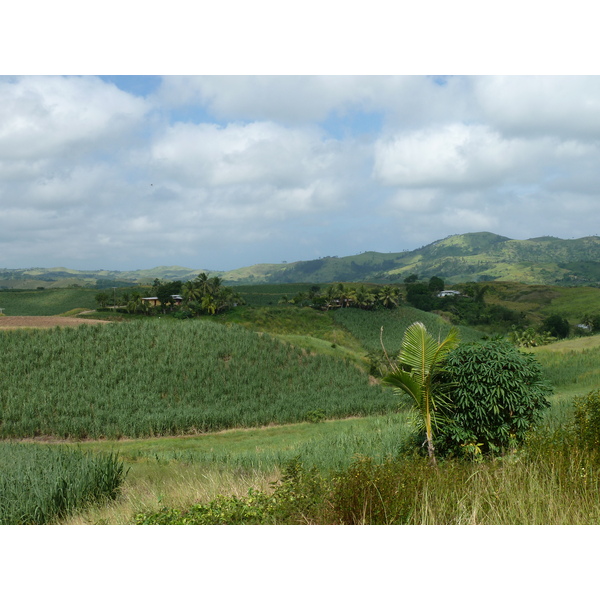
x=150, y=486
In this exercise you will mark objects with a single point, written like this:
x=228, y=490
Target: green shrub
x=556, y=326
x=498, y=396
x=586, y=421
x=378, y=494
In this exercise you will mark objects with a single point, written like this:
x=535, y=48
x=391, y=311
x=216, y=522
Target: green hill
x=479, y=256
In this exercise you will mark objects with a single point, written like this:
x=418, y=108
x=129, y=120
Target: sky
x=219, y=172
x=279, y=135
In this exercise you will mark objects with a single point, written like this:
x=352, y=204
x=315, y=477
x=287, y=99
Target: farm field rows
x=168, y=377
x=202, y=407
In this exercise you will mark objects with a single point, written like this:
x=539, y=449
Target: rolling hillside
x=458, y=258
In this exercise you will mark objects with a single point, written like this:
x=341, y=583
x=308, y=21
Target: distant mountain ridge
x=479, y=256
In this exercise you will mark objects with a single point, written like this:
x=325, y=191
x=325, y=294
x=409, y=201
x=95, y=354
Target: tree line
x=341, y=295
x=200, y=296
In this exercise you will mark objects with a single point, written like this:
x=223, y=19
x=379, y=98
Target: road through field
x=7, y=322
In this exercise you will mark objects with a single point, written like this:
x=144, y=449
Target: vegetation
x=497, y=397
x=164, y=377
x=366, y=326
x=586, y=424
x=550, y=483
x=41, y=484
x=417, y=373
x=345, y=296
x=284, y=363
x=46, y=302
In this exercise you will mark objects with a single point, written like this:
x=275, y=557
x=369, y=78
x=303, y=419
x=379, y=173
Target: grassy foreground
x=356, y=470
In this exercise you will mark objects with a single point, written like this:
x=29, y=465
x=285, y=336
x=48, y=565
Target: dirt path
x=16, y=322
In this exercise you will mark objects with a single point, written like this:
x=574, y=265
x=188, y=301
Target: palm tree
x=201, y=282
x=330, y=298
x=191, y=291
x=364, y=298
x=389, y=296
x=214, y=285
x=420, y=363
x=209, y=304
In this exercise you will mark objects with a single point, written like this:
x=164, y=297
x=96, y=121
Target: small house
x=445, y=293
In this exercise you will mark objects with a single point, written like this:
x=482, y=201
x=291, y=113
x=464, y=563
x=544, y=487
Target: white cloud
x=457, y=154
x=565, y=107
x=235, y=154
x=42, y=117
x=405, y=101
x=289, y=99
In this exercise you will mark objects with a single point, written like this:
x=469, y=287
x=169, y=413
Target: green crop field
x=45, y=303
x=366, y=326
x=165, y=377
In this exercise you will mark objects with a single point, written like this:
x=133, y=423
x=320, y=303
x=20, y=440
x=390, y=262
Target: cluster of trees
x=468, y=308
x=202, y=295
x=207, y=295
x=470, y=399
x=554, y=327
x=345, y=296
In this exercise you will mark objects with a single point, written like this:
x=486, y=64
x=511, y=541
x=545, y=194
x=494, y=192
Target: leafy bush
x=499, y=396
x=586, y=420
x=556, y=326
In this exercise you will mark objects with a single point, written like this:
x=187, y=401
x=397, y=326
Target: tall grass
x=571, y=370
x=40, y=484
x=164, y=377
x=326, y=446
x=539, y=486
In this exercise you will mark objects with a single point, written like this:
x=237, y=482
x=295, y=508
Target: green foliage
x=436, y=284
x=315, y=416
x=40, y=484
x=378, y=493
x=557, y=326
x=529, y=338
x=467, y=309
x=102, y=298
x=168, y=377
x=417, y=373
x=499, y=396
x=586, y=421
x=297, y=499
x=592, y=321
x=366, y=326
